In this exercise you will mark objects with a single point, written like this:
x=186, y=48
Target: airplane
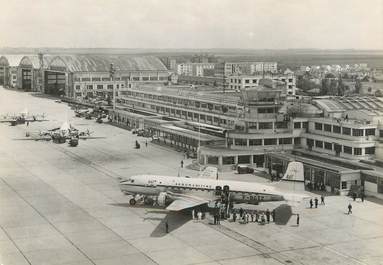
x=180, y=193
x=61, y=134
x=22, y=118
x=83, y=112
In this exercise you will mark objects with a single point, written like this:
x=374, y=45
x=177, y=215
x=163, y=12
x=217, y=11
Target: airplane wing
x=91, y=137
x=32, y=120
x=7, y=120
x=182, y=202
x=42, y=138
x=209, y=173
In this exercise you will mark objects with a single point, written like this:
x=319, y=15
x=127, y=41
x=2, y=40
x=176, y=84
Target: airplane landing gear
x=132, y=202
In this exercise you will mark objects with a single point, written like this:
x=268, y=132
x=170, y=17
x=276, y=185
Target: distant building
x=245, y=68
x=288, y=81
x=193, y=69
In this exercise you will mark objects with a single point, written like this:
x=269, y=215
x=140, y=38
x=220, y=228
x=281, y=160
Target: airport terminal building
x=259, y=128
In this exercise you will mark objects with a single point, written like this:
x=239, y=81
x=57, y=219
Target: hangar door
x=55, y=83
x=26, y=79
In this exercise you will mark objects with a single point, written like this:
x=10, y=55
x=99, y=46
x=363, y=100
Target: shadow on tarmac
x=283, y=214
x=175, y=219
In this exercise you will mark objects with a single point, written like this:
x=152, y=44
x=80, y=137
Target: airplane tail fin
x=293, y=179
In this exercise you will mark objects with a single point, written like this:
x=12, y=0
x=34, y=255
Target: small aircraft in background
x=22, y=118
x=61, y=134
x=83, y=112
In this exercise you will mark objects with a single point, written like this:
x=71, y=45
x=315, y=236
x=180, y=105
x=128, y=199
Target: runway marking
x=13, y=242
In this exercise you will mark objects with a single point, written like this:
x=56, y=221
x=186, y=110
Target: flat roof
x=341, y=104
x=189, y=133
x=313, y=162
x=189, y=93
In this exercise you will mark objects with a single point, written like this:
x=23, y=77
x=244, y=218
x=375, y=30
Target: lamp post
x=112, y=71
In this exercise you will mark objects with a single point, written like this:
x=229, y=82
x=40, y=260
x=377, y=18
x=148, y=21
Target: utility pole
x=41, y=73
x=112, y=71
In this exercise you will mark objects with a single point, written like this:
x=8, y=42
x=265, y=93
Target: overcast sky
x=254, y=24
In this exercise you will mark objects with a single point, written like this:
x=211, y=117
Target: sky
x=196, y=24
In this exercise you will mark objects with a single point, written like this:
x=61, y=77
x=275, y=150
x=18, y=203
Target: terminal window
x=285, y=140
x=327, y=127
x=242, y=142
x=336, y=129
x=357, y=132
x=255, y=142
x=344, y=185
x=272, y=141
x=297, y=125
x=370, y=132
x=265, y=125
x=328, y=146
x=370, y=150
x=357, y=151
x=319, y=144
x=346, y=131
x=347, y=150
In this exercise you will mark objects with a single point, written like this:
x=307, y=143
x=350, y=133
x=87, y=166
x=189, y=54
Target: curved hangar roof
x=33, y=61
x=101, y=63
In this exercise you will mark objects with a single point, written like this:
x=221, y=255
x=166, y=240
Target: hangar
x=30, y=72
x=9, y=72
x=82, y=76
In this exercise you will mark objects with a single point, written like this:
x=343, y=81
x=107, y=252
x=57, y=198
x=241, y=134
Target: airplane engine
x=162, y=199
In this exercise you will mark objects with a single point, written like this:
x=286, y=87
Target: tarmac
x=62, y=205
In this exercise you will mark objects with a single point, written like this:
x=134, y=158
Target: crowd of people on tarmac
x=242, y=216
x=252, y=216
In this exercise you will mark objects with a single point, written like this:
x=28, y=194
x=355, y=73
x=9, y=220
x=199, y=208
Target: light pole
x=112, y=71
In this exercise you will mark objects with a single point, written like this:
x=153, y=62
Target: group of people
x=252, y=216
x=316, y=201
x=198, y=215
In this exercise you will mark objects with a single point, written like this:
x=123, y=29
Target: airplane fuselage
x=240, y=192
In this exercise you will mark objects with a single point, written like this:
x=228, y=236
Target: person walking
x=199, y=215
x=316, y=202
x=268, y=216
x=167, y=226
x=146, y=143
x=234, y=216
x=311, y=203
x=182, y=163
x=297, y=219
x=273, y=215
x=240, y=212
x=349, y=208
x=322, y=199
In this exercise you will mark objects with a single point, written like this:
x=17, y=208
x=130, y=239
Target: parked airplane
x=61, y=134
x=22, y=118
x=183, y=193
